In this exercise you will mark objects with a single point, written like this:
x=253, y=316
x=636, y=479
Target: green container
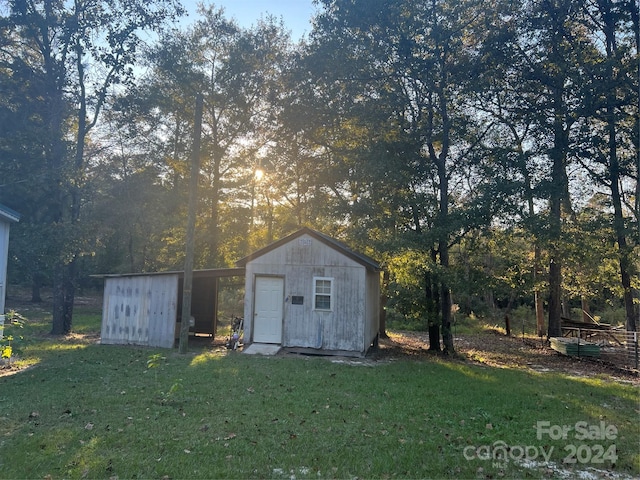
x=575, y=347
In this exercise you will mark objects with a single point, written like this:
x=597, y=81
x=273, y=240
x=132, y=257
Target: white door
x=267, y=310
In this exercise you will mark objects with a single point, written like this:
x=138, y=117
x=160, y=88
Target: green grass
x=96, y=411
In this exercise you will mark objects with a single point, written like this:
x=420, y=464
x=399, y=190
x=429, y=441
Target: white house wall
x=4, y=252
x=140, y=310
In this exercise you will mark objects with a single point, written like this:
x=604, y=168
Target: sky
x=296, y=14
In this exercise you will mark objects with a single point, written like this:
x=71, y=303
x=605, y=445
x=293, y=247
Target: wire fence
x=615, y=346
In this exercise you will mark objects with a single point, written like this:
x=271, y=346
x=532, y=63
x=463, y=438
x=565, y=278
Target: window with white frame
x=322, y=293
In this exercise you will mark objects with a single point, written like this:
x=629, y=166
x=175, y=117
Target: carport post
x=191, y=228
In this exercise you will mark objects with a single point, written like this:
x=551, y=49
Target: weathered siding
x=4, y=252
x=338, y=329
x=299, y=261
x=140, y=310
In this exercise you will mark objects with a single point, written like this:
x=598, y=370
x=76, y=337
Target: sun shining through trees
x=492, y=158
x=487, y=154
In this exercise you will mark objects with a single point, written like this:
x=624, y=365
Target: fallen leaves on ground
x=496, y=350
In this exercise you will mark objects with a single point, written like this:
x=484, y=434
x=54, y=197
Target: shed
x=7, y=217
x=145, y=308
x=310, y=293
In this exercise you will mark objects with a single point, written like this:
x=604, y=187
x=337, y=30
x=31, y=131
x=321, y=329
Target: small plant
x=175, y=388
x=7, y=343
x=153, y=362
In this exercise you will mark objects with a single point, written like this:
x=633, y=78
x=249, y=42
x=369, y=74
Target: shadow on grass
x=99, y=411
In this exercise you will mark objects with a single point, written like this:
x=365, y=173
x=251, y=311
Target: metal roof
x=361, y=258
x=205, y=273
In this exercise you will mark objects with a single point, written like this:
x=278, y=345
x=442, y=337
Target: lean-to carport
x=144, y=308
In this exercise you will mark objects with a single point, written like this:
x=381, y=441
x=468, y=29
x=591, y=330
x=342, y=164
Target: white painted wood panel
x=140, y=310
x=268, y=309
x=4, y=252
x=352, y=323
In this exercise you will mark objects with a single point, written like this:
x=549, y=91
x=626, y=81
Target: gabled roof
x=8, y=215
x=358, y=257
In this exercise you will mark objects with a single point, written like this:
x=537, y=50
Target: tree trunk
x=537, y=300
x=445, y=301
x=63, y=297
x=434, y=337
x=431, y=307
x=190, y=229
x=63, y=285
x=558, y=198
x=35, y=293
x=539, y=313
x=555, y=303
x=56, y=164
x=624, y=251
x=447, y=334
x=70, y=294
x=214, y=234
x=624, y=261
x=215, y=190
x=635, y=19
x=489, y=301
x=57, y=325
x=566, y=311
x=586, y=311
x=443, y=251
x=36, y=283
x=64, y=292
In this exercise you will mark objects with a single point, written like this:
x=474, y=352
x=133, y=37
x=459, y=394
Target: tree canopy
x=486, y=152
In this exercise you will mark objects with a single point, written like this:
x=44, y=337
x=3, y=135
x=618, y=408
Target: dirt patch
x=494, y=349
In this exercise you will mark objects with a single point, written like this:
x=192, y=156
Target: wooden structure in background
x=145, y=308
x=311, y=293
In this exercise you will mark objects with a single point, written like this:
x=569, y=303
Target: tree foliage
x=75, y=53
x=486, y=152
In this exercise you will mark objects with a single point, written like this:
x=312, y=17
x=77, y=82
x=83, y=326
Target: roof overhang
x=206, y=273
x=8, y=215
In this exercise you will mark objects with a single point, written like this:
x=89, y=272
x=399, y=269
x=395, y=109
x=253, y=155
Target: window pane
x=322, y=291
x=323, y=302
x=323, y=286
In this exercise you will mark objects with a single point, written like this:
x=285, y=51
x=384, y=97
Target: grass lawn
x=84, y=410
